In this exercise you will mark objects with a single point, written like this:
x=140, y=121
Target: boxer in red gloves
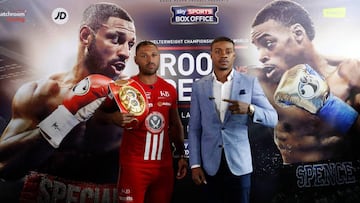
x=53, y=131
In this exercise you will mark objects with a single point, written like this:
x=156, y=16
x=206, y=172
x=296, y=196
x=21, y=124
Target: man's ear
x=211, y=54
x=298, y=32
x=135, y=60
x=85, y=35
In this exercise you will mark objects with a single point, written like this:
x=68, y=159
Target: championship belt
x=130, y=97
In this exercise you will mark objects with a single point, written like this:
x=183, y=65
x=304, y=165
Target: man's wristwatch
x=251, y=110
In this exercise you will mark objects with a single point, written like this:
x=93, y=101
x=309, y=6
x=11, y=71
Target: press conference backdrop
x=38, y=38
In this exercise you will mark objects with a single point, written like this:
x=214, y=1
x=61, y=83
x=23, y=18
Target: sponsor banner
x=189, y=15
x=46, y=188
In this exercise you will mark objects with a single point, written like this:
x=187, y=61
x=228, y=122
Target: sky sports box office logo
x=188, y=15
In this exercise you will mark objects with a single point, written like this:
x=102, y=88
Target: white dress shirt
x=222, y=91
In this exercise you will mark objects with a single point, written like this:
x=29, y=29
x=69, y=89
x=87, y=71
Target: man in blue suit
x=222, y=105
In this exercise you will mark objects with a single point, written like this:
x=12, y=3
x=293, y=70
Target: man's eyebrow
x=120, y=33
x=258, y=36
x=127, y=28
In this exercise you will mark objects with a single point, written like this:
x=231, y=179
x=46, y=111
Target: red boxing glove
x=78, y=106
x=87, y=95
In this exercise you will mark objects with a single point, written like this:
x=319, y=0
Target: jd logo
x=60, y=16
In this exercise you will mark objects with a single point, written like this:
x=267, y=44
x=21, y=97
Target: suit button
x=222, y=128
x=220, y=146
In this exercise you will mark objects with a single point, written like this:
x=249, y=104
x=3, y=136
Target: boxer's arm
x=27, y=140
x=79, y=105
x=334, y=60
x=349, y=71
x=176, y=131
x=21, y=145
x=22, y=151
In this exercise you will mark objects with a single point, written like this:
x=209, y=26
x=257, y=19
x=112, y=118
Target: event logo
x=155, y=122
x=60, y=16
x=14, y=16
x=188, y=15
x=82, y=87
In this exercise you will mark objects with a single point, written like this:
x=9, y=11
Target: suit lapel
x=235, y=87
x=207, y=88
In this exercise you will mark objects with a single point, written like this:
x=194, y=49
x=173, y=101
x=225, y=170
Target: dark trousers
x=226, y=187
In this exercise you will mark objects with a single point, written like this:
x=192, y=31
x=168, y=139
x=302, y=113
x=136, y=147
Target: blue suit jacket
x=208, y=135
